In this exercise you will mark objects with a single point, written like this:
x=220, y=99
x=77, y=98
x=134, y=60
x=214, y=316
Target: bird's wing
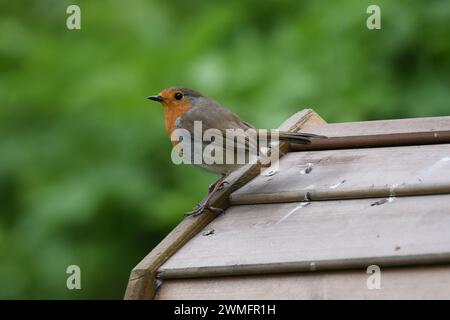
x=214, y=116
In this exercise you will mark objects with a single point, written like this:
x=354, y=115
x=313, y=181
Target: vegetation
x=85, y=170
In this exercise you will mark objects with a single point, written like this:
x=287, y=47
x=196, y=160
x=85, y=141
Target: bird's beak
x=156, y=98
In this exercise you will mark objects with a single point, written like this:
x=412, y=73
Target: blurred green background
x=85, y=170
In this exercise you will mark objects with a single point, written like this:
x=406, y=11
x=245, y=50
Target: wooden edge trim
x=378, y=140
x=306, y=266
x=142, y=284
x=343, y=194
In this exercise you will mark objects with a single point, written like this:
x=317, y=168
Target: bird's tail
x=298, y=137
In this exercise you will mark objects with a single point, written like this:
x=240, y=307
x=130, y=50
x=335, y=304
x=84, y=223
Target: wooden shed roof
x=336, y=205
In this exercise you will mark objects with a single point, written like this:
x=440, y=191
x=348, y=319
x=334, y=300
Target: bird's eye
x=178, y=96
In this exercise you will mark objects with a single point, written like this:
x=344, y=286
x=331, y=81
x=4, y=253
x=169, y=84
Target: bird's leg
x=221, y=183
x=202, y=206
x=211, y=186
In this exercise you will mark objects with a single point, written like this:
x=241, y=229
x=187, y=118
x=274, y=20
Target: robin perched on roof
x=183, y=106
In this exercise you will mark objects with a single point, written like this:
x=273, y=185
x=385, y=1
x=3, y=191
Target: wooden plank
x=142, y=283
x=371, y=141
x=352, y=173
x=426, y=282
x=322, y=235
x=380, y=127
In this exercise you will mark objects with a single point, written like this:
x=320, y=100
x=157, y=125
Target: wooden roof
x=407, y=283
x=332, y=206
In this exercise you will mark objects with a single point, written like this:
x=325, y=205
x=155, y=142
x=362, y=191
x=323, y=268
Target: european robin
x=182, y=106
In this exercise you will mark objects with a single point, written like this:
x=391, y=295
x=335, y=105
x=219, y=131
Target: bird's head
x=176, y=102
x=176, y=97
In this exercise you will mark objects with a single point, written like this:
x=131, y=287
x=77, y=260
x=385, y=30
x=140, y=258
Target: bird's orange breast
x=172, y=112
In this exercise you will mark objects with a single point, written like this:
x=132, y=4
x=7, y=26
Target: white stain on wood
x=307, y=169
x=436, y=166
x=301, y=205
x=337, y=184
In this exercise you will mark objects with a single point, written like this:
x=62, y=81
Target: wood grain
x=425, y=282
x=351, y=174
x=142, y=283
x=373, y=141
x=379, y=127
x=321, y=235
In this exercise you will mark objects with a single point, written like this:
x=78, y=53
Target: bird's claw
x=204, y=205
x=222, y=184
x=212, y=186
x=200, y=208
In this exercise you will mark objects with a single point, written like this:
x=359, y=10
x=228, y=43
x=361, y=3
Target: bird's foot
x=218, y=185
x=201, y=207
x=204, y=205
x=222, y=184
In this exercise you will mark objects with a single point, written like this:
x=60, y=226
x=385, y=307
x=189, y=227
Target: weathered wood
x=320, y=235
x=142, y=283
x=351, y=174
x=379, y=140
x=426, y=282
x=380, y=127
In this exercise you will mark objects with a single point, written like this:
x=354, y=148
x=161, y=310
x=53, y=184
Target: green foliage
x=85, y=170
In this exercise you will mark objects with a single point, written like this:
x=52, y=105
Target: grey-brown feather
x=213, y=115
